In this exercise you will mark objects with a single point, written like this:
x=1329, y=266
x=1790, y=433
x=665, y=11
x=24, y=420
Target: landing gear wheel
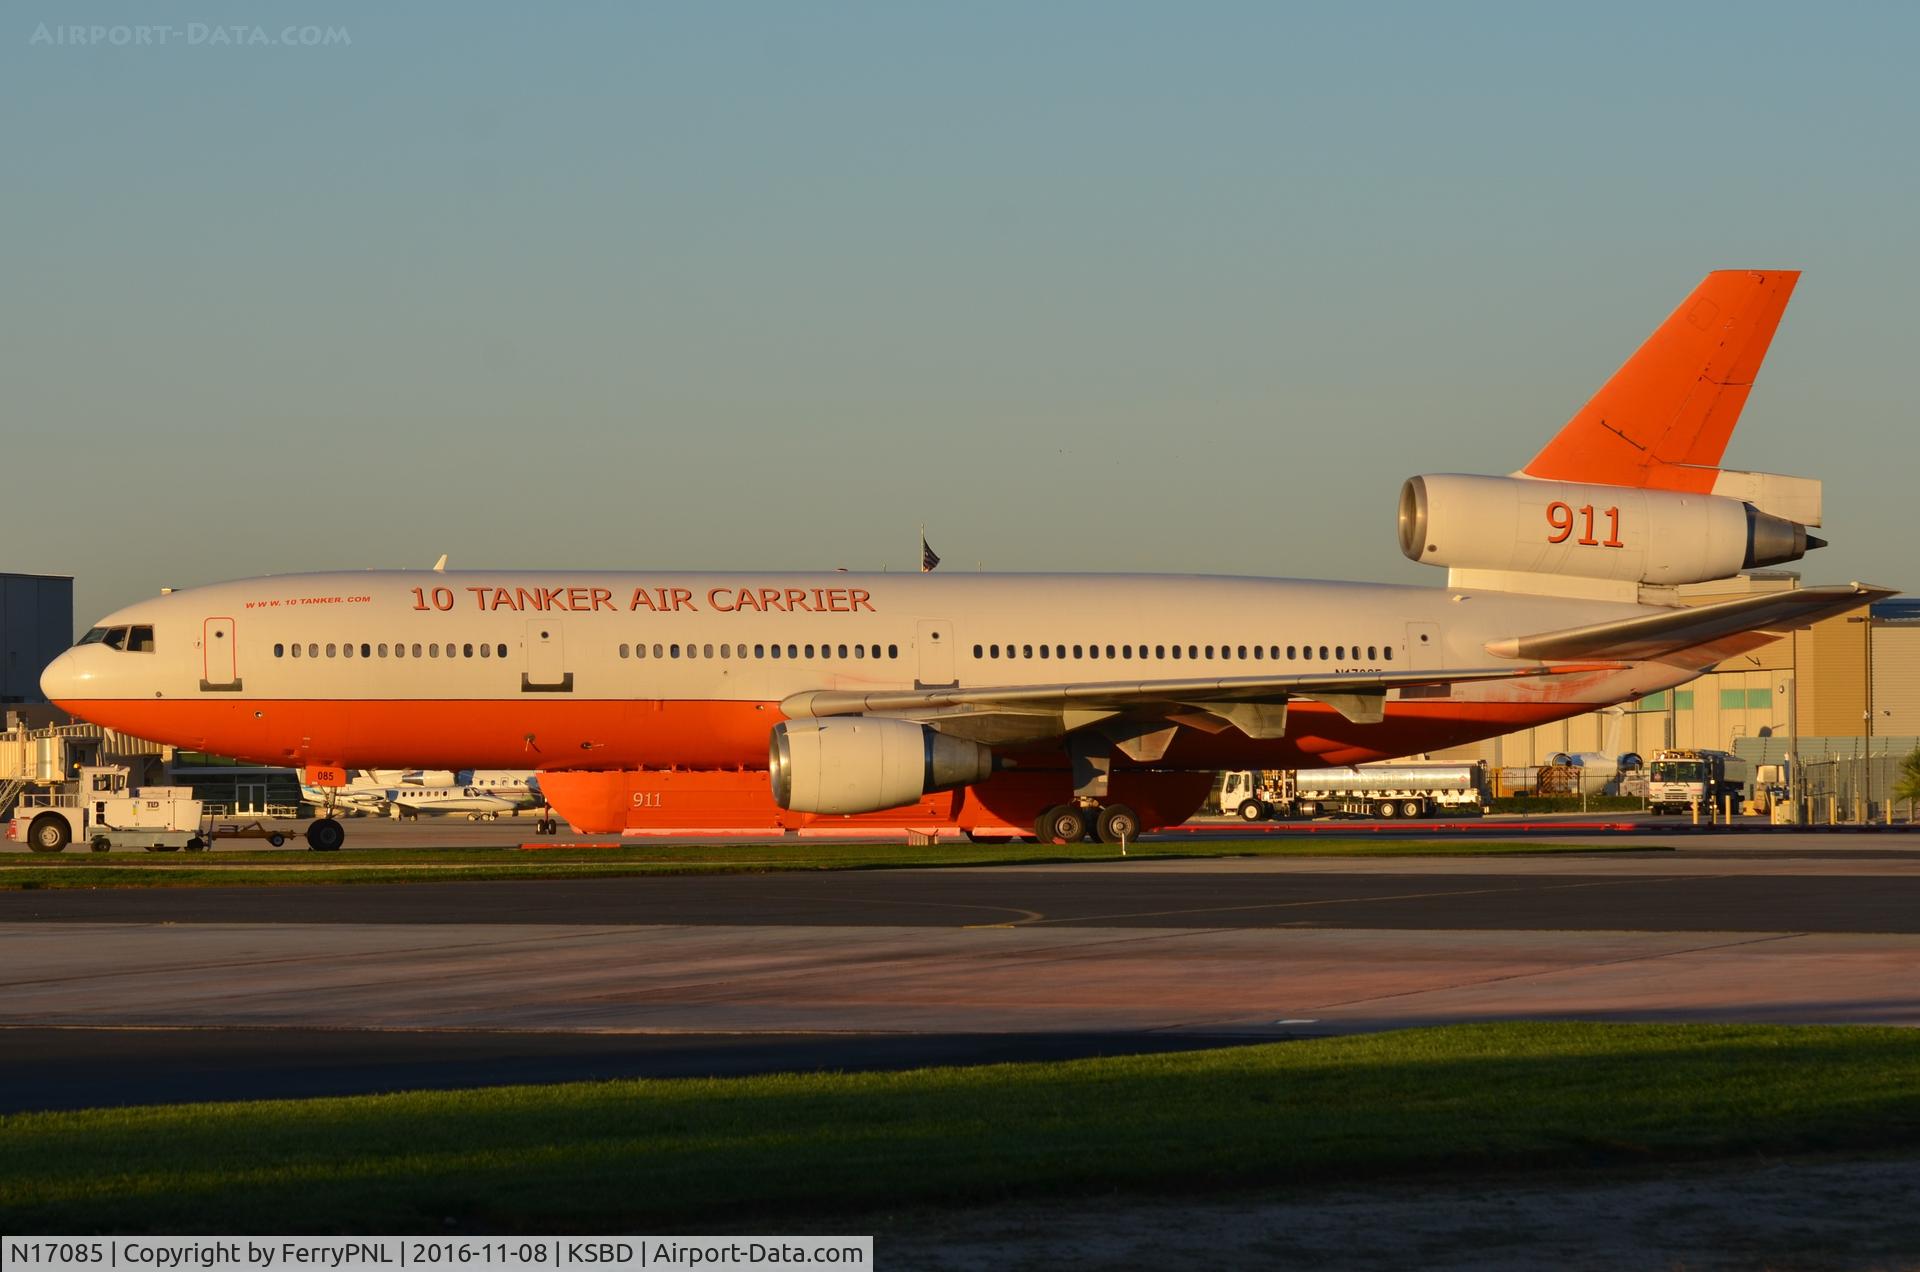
x=487, y=817
x=1411, y=808
x=196, y=844
x=1062, y=824
x=1252, y=810
x=325, y=835
x=1386, y=809
x=101, y=844
x=49, y=834
x=1118, y=824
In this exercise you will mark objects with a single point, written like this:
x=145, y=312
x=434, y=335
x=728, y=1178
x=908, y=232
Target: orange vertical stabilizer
x=1664, y=419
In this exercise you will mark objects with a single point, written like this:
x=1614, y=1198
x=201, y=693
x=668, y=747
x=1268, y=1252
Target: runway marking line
x=1402, y=896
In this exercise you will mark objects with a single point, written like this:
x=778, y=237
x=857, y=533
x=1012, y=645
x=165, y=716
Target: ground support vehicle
x=1683, y=780
x=103, y=814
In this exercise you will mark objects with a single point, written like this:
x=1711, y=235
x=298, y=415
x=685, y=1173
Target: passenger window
x=1372, y=653
x=416, y=651
x=1323, y=653
x=1340, y=652
x=1209, y=651
x=726, y=651
x=1307, y=653
x=893, y=651
x=1093, y=651
x=383, y=649
x=433, y=650
x=809, y=651
x=673, y=651
x=706, y=651
x=793, y=651
x=1076, y=652
x=623, y=651
x=860, y=651
x=659, y=650
x=1026, y=651
x=1160, y=651
x=1257, y=651
x=776, y=650
x=330, y=651
x=486, y=651
x=843, y=650
x=759, y=651
x=366, y=650
x=1109, y=651
x=1043, y=651
x=279, y=651
x=466, y=651
x=1243, y=650
x=1289, y=653
x=1389, y=653
x=500, y=650
x=1126, y=651
x=1176, y=651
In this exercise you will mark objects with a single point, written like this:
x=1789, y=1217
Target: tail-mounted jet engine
x=1621, y=533
x=859, y=764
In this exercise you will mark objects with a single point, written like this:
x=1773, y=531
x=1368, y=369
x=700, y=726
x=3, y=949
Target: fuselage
x=559, y=671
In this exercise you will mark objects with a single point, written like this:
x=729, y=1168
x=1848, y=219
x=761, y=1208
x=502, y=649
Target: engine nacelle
x=1600, y=532
x=858, y=764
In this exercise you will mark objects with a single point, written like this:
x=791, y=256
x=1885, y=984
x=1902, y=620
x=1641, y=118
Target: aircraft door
x=933, y=651
x=219, y=660
x=546, y=658
x=1423, y=647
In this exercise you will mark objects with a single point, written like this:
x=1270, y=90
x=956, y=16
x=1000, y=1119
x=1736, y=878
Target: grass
x=799, y=1152
x=410, y=865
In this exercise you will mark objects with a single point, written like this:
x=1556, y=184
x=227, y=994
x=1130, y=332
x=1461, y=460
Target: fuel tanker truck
x=1369, y=790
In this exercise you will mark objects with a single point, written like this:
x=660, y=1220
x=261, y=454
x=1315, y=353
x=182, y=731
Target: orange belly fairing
x=678, y=801
x=604, y=764
x=612, y=735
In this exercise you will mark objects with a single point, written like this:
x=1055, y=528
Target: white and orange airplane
x=1064, y=702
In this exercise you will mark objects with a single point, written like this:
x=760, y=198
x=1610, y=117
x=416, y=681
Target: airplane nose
x=61, y=679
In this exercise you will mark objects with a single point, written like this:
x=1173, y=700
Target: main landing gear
x=1070, y=824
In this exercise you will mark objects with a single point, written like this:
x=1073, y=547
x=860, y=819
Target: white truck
x=103, y=814
x=1370, y=790
x=1682, y=781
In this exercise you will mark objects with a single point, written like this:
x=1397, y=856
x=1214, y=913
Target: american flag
x=928, y=557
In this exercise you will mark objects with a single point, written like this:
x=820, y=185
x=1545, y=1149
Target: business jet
x=1065, y=702
x=483, y=795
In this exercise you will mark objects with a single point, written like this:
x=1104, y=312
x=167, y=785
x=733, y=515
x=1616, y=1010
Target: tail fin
x=1664, y=419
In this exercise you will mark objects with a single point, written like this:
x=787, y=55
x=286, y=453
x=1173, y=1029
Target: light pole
x=1866, y=646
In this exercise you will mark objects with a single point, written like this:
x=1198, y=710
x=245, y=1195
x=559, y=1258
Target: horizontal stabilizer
x=1669, y=631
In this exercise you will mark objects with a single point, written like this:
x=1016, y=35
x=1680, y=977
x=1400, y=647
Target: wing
x=1256, y=705
x=1671, y=631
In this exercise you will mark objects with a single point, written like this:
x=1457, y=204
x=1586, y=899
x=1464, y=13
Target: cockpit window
x=138, y=640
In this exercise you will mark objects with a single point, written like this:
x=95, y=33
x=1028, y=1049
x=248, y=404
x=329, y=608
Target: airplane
x=482, y=794
x=1066, y=702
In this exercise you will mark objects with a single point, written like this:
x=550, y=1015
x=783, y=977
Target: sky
x=1079, y=286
